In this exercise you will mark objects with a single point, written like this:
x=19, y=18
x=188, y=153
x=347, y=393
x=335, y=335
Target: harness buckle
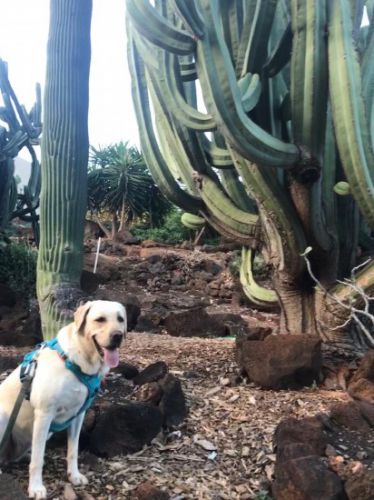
x=28, y=371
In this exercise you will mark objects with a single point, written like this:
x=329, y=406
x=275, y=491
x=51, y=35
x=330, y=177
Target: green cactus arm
x=13, y=193
x=250, y=89
x=281, y=53
x=8, y=96
x=223, y=100
x=329, y=176
x=309, y=88
x=357, y=11
x=7, y=171
x=351, y=127
x=224, y=210
x=192, y=221
x=10, y=118
x=309, y=74
x=369, y=4
x=231, y=25
x=156, y=163
x=36, y=111
x=236, y=191
x=256, y=293
x=191, y=16
x=367, y=68
x=147, y=51
x=17, y=141
x=188, y=71
x=229, y=232
x=171, y=148
x=287, y=238
x=169, y=92
x=256, y=51
x=219, y=157
x=189, y=139
x=249, y=11
x=157, y=29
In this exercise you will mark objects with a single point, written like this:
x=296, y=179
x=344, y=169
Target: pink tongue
x=111, y=358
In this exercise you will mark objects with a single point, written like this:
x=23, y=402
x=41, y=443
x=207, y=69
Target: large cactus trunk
x=64, y=162
x=288, y=92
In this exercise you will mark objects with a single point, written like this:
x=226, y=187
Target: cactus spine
x=64, y=162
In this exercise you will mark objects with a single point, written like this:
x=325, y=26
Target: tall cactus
x=64, y=162
x=22, y=131
x=289, y=114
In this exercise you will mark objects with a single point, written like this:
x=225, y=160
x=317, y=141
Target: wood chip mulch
x=223, y=450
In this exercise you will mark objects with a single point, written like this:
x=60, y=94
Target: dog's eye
x=101, y=319
x=120, y=319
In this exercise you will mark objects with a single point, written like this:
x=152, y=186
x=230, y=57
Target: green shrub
x=18, y=267
x=172, y=230
x=234, y=264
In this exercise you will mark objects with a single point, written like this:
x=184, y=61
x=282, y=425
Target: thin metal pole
x=97, y=254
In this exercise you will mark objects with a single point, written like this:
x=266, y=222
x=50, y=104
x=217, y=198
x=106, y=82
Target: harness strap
x=26, y=376
x=92, y=382
x=27, y=372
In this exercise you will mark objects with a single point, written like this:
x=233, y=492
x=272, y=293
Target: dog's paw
x=38, y=491
x=77, y=479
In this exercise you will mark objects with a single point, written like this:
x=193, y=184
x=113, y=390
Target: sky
x=23, y=43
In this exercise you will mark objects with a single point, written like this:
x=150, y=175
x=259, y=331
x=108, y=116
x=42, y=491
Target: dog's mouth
x=110, y=356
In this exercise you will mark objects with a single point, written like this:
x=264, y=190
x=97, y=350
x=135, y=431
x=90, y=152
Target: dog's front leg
x=42, y=423
x=74, y=430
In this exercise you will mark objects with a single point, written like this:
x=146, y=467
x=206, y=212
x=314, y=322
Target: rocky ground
x=223, y=450
x=225, y=447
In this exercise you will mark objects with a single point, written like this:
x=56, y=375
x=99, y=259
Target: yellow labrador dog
x=68, y=373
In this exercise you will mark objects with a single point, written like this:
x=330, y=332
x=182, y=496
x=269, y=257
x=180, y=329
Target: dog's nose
x=116, y=339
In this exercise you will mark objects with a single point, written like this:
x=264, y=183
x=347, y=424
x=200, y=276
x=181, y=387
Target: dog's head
x=103, y=325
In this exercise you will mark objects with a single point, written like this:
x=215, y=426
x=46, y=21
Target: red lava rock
x=306, y=478
x=360, y=486
x=127, y=371
x=366, y=367
x=89, y=281
x=361, y=385
x=173, y=402
x=282, y=361
x=349, y=415
x=150, y=392
x=291, y=451
x=151, y=373
x=308, y=432
x=362, y=389
x=194, y=323
x=125, y=429
x=367, y=411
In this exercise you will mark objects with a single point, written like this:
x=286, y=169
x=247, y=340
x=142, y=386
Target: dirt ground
x=223, y=450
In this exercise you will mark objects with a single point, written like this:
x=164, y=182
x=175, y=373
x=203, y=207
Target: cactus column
x=64, y=162
x=289, y=111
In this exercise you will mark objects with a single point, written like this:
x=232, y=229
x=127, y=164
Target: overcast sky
x=23, y=41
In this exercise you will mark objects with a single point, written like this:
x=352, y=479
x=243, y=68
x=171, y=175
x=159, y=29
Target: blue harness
x=92, y=382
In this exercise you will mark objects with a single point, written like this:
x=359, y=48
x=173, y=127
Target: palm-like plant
x=120, y=183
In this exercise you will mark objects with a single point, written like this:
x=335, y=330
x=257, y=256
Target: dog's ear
x=80, y=316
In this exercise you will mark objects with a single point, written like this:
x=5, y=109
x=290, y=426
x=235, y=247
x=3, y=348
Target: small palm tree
x=120, y=183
